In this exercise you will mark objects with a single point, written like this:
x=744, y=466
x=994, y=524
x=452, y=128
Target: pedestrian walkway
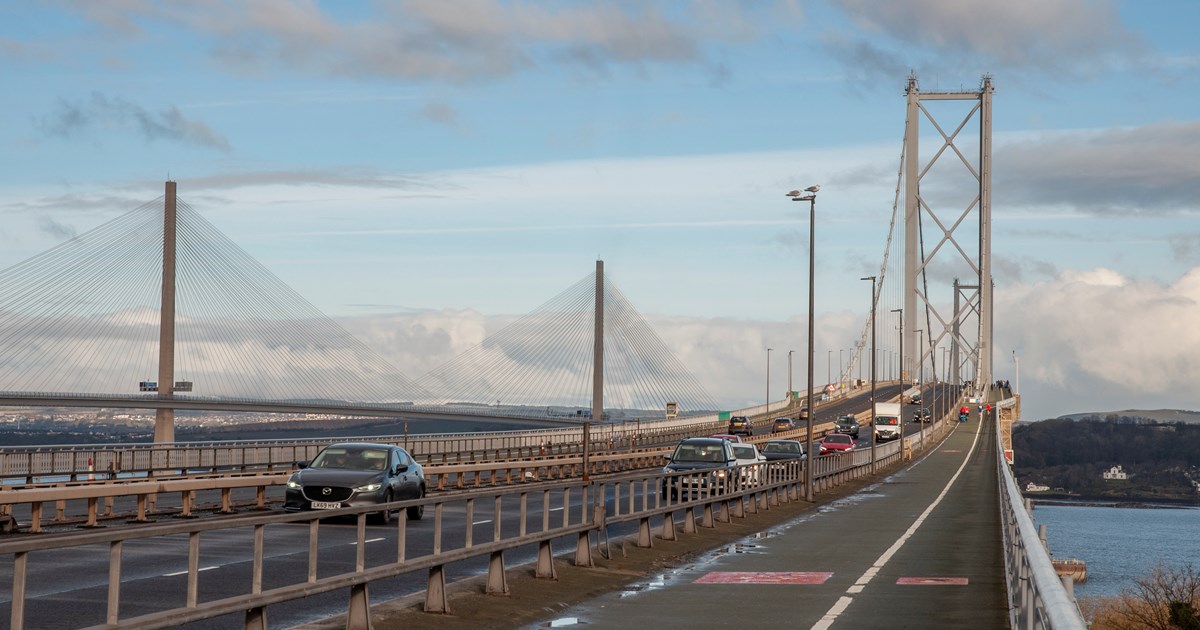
x=920, y=549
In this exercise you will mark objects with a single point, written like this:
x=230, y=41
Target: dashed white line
x=844, y=602
x=185, y=572
x=367, y=541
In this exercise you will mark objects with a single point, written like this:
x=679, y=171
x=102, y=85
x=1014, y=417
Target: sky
x=421, y=170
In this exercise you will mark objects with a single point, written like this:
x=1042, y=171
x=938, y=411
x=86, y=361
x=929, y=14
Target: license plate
x=326, y=505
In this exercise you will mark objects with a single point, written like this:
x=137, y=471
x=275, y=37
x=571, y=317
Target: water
x=1120, y=545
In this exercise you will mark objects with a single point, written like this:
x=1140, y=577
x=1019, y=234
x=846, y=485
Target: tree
x=1165, y=599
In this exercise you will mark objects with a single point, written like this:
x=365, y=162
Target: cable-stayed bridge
x=157, y=308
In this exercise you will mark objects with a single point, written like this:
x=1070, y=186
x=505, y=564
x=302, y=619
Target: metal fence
x=1037, y=597
x=587, y=509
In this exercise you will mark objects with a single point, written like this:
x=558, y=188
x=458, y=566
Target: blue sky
x=421, y=164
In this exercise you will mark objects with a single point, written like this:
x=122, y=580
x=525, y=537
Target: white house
x=1033, y=487
x=1115, y=473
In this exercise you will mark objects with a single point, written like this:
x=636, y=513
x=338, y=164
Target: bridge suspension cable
x=82, y=318
x=545, y=358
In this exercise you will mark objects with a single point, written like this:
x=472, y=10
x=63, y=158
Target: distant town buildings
x=1115, y=473
x=1033, y=487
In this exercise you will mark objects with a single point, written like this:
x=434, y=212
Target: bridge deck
x=923, y=547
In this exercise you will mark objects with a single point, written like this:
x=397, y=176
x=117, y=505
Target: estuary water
x=1120, y=545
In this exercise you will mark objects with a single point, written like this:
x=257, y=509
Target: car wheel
x=415, y=512
x=385, y=516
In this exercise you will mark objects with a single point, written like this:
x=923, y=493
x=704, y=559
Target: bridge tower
x=936, y=202
x=164, y=418
x=598, y=348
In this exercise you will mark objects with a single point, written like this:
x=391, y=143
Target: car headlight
x=293, y=482
x=371, y=487
x=721, y=474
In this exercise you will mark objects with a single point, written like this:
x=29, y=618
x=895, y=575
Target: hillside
x=1160, y=416
x=1162, y=460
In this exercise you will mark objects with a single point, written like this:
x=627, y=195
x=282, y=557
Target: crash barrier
x=138, y=499
x=521, y=516
x=31, y=465
x=1037, y=597
x=103, y=496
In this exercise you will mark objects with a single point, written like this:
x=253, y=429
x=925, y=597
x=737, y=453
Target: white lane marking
x=557, y=509
x=844, y=602
x=185, y=572
x=482, y=522
x=366, y=541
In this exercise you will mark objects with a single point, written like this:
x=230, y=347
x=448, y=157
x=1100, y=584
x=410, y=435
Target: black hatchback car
x=847, y=425
x=740, y=425
x=353, y=474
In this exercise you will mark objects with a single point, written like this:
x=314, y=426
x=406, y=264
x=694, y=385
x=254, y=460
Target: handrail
x=1037, y=597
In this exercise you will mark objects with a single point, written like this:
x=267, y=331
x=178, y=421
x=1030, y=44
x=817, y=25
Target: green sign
x=724, y=415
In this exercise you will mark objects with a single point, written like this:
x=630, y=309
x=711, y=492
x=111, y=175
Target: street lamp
x=901, y=311
x=920, y=353
x=811, y=198
x=902, y=383
x=790, y=390
x=828, y=369
x=769, y=381
x=873, y=416
x=841, y=372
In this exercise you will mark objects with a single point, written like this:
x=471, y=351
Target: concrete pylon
x=164, y=419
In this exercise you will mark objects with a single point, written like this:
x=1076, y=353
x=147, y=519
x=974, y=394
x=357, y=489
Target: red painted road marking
x=954, y=581
x=764, y=577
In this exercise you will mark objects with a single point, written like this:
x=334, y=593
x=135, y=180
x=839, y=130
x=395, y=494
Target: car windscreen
x=744, y=452
x=887, y=420
x=698, y=453
x=351, y=458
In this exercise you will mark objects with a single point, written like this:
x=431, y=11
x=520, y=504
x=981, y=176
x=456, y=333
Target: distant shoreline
x=1145, y=504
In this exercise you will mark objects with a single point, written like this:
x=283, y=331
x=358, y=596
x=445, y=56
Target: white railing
x=1037, y=597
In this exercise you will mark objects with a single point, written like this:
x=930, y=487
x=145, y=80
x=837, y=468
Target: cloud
x=1056, y=37
x=435, y=40
x=1096, y=339
x=440, y=113
x=1147, y=170
x=98, y=112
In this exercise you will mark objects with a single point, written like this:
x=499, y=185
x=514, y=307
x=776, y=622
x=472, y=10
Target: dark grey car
x=353, y=474
x=847, y=425
x=710, y=461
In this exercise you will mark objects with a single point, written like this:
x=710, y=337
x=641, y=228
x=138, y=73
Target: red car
x=836, y=443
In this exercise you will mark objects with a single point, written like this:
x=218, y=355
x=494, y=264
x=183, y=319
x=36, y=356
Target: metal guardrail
x=1037, y=597
x=77, y=462
x=635, y=497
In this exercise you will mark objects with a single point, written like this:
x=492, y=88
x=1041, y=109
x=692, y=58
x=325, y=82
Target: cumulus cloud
x=100, y=111
x=1058, y=37
x=1096, y=339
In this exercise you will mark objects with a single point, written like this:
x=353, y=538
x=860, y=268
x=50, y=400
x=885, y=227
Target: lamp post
x=919, y=354
x=841, y=372
x=873, y=415
x=828, y=369
x=769, y=381
x=790, y=390
x=811, y=198
x=1017, y=361
x=902, y=383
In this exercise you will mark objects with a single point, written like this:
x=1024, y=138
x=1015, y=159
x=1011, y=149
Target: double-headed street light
x=810, y=195
x=873, y=416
